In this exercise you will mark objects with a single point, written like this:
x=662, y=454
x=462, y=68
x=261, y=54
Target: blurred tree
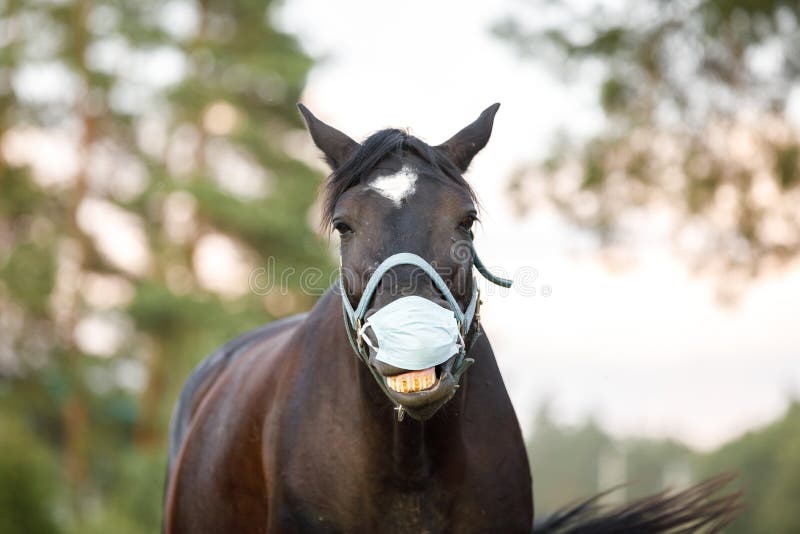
x=27, y=472
x=568, y=464
x=768, y=464
x=572, y=463
x=698, y=97
x=146, y=169
x=564, y=461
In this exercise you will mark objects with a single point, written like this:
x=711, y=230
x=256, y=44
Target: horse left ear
x=336, y=145
x=463, y=146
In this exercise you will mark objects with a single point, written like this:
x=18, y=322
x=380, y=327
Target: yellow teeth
x=412, y=381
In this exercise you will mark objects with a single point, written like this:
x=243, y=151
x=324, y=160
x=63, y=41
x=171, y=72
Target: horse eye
x=342, y=228
x=467, y=222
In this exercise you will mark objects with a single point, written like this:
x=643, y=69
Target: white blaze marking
x=396, y=186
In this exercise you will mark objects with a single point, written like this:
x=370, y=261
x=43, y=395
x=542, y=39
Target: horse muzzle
x=421, y=392
x=414, y=348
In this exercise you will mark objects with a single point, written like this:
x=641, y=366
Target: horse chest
x=379, y=508
x=348, y=489
x=412, y=511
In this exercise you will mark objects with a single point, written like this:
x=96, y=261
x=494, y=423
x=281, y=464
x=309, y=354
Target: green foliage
x=135, y=492
x=20, y=196
x=28, y=480
x=564, y=461
x=697, y=93
x=29, y=276
x=159, y=311
x=615, y=95
x=787, y=165
x=768, y=464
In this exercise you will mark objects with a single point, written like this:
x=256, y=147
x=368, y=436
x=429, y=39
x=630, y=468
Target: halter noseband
x=353, y=318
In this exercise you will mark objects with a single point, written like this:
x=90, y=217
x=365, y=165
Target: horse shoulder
x=220, y=419
x=208, y=370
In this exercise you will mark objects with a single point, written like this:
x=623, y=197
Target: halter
x=353, y=319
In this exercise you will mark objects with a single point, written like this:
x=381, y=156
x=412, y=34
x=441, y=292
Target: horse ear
x=463, y=146
x=336, y=146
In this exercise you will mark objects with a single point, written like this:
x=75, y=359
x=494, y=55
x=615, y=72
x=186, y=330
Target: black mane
x=374, y=150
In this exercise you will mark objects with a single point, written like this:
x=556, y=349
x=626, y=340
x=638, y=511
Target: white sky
x=646, y=350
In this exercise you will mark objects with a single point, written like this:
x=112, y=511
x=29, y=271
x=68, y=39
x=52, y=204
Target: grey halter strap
x=406, y=258
x=353, y=318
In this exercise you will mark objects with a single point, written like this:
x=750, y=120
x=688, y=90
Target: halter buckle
x=359, y=340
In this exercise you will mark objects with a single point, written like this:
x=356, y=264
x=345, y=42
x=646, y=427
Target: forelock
x=371, y=152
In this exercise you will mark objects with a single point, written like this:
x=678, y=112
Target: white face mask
x=413, y=333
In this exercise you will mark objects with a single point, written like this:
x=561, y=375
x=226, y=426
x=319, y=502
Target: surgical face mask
x=413, y=333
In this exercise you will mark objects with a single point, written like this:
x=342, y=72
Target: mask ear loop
x=361, y=333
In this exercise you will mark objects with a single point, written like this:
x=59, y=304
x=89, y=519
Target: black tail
x=700, y=508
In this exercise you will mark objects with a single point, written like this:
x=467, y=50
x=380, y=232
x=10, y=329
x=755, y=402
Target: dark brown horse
x=296, y=427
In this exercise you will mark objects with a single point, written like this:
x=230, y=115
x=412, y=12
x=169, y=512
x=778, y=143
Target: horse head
x=404, y=213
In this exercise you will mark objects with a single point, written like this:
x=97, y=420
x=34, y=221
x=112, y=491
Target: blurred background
x=642, y=184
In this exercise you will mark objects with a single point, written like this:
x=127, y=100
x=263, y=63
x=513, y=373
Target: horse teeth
x=412, y=381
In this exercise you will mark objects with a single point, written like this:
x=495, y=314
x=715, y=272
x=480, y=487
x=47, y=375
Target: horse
x=307, y=424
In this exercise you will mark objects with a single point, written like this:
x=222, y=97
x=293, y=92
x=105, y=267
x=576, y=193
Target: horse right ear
x=336, y=146
x=463, y=146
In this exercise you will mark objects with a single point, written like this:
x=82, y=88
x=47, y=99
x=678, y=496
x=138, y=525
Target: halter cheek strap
x=406, y=258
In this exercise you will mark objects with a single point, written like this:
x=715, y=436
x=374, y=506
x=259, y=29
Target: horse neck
x=409, y=449
x=413, y=452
